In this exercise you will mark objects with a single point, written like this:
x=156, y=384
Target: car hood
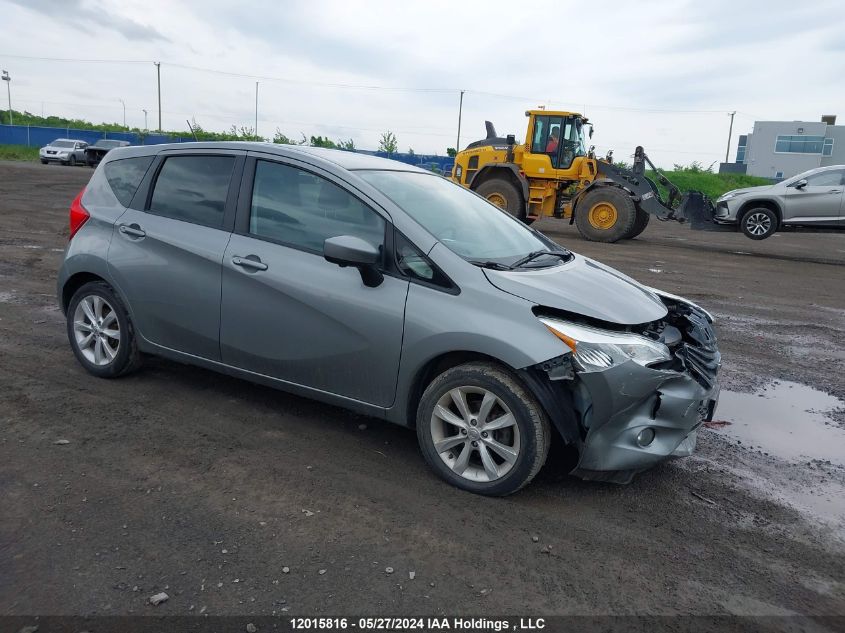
x=739, y=192
x=583, y=286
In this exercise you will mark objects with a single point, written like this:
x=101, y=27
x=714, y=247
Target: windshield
x=61, y=144
x=464, y=222
x=575, y=134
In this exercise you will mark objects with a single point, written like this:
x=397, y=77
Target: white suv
x=66, y=151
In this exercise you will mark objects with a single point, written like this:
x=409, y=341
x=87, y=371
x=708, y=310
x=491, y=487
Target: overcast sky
x=660, y=74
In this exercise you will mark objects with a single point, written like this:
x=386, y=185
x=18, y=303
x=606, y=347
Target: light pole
x=8, y=81
x=255, y=132
x=124, y=111
x=730, y=132
x=460, y=112
x=145, y=119
x=158, y=76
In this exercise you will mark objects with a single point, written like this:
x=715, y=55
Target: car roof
x=344, y=159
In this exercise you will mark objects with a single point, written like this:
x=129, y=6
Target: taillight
x=78, y=214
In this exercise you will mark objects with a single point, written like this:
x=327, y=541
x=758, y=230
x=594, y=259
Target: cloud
x=641, y=71
x=92, y=20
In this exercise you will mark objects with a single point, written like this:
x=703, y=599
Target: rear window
x=193, y=189
x=125, y=175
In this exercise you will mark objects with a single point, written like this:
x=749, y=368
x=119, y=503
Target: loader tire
x=640, y=224
x=606, y=214
x=504, y=195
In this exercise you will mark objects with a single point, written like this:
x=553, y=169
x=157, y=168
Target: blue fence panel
x=35, y=136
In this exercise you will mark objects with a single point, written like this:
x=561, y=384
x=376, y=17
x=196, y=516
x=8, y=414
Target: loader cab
x=560, y=136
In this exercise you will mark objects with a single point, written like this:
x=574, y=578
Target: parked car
x=66, y=151
x=94, y=153
x=380, y=287
x=813, y=199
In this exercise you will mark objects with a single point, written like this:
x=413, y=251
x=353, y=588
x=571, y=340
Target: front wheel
x=481, y=430
x=606, y=214
x=504, y=195
x=759, y=223
x=72, y=161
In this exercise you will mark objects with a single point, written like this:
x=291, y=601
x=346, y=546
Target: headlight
x=599, y=349
x=672, y=297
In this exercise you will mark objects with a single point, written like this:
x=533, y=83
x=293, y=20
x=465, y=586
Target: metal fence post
x=27, y=135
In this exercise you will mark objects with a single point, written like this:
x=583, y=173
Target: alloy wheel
x=96, y=330
x=758, y=223
x=475, y=434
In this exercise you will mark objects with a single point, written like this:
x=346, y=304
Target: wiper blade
x=489, y=264
x=534, y=255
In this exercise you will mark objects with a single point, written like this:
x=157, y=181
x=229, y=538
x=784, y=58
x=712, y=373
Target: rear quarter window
x=125, y=175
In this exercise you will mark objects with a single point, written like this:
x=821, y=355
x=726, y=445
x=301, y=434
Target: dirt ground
x=238, y=499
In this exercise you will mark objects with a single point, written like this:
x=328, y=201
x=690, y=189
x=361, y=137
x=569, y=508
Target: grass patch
x=18, y=152
x=712, y=185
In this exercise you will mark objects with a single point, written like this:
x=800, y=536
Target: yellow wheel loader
x=554, y=173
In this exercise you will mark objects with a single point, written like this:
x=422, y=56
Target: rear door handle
x=247, y=262
x=132, y=229
x=835, y=191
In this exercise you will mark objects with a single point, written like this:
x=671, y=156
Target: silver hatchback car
x=813, y=199
x=390, y=291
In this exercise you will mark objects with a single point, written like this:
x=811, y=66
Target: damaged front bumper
x=629, y=416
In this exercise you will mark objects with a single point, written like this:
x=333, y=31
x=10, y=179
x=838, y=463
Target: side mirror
x=800, y=184
x=511, y=139
x=347, y=250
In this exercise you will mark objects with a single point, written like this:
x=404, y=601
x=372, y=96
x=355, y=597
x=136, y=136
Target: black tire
x=44, y=161
x=616, y=199
x=128, y=358
x=72, y=161
x=530, y=421
x=759, y=223
x=504, y=195
x=640, y=224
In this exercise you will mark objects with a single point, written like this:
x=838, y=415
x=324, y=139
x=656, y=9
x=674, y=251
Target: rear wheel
x=606, y=214
x=640, y=224
x=759, y=223
x=504, y=195
x=481, y=430
x=100, y=331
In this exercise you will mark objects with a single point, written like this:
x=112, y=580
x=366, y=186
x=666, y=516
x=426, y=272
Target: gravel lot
x=238, y=499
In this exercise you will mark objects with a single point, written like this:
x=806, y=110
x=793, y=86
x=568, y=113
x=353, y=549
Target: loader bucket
x=696, y=208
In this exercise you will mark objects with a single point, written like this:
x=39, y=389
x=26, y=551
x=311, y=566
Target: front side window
x=193, y=189
x=299, y=209
x=464, y=222
x=832, y=178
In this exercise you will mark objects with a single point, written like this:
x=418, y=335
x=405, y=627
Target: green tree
x=348, y=145
x=388, y=143
x=451, y=151
x=411, y=151
x=319, y=141
x=282, y=139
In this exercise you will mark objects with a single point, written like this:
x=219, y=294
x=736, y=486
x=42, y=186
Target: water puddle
x=785, y=419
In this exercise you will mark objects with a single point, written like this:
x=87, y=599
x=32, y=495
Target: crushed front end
x=637, y=395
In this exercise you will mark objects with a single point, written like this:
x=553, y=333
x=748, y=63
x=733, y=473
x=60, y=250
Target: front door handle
x=249, y=262
x=132, y=229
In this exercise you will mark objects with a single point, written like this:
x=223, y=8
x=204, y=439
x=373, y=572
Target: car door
x=165, y=256
x=290, y=314
x=819, y=201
